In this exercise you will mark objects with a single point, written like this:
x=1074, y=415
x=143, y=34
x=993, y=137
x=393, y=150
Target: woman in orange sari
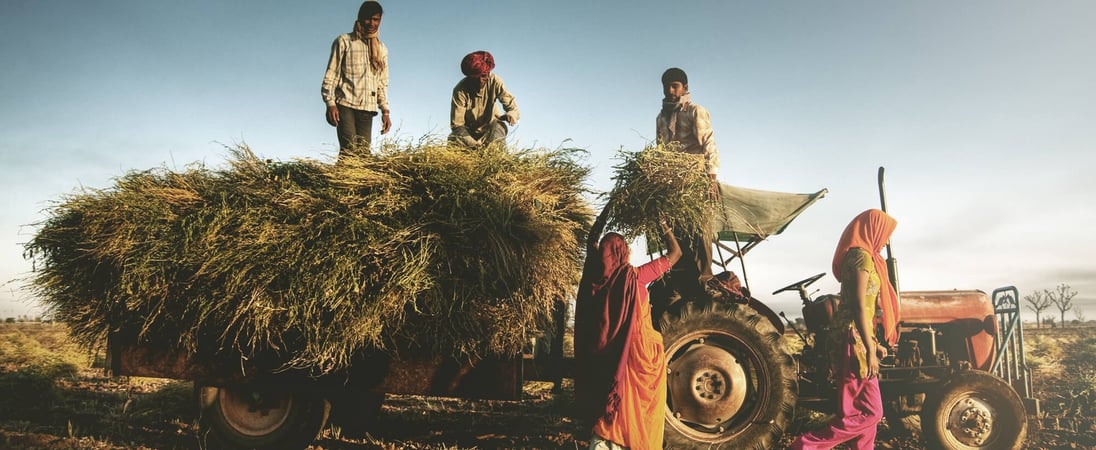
x=866, y=293
x=620, y=368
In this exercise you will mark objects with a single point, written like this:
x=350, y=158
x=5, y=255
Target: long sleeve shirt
x=350, y=80
x=689, y=126
x=476, y=109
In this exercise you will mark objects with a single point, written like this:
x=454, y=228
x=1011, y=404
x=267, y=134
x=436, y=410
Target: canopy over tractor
x=746, y=217
x=752, y=215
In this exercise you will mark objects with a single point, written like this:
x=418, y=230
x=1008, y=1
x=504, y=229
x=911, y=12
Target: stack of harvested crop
x=660, y=183
x=304, y=264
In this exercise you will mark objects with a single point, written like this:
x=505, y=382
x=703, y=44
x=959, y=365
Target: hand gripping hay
x=660, y=183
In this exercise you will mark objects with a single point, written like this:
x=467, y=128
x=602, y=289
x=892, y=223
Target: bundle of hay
x=660, y=183
x=304, y=264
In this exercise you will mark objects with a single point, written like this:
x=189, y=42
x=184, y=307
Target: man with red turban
x=474, y=116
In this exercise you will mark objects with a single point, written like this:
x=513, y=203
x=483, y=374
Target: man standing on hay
x=686, y=127
x=473, y=115
x=355, y=86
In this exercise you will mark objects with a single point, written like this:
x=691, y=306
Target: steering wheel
x=800, y=285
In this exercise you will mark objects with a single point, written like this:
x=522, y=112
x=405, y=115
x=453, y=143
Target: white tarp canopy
x=748, y=215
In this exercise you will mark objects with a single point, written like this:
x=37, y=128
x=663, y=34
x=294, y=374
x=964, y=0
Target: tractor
x=957, y=377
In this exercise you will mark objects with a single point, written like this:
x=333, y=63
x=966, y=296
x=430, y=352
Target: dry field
x=52, y=397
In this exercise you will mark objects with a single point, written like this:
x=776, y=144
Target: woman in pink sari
x=866, y=293
x=620, y=366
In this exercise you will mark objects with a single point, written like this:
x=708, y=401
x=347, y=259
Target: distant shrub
x=29, y=393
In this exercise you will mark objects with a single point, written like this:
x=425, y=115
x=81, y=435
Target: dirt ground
x=63, y=403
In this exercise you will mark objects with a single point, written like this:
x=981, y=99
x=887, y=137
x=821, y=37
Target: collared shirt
x=350, y=80
x=689, y=126
x=475, y=110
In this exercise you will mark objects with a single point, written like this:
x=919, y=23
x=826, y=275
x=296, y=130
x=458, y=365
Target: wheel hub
x=971, y=422
x=707, y=385
x=254, y=412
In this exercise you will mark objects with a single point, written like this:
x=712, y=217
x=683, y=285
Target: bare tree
x=1080, y=315
x=1037, y=302
x=1062, y=299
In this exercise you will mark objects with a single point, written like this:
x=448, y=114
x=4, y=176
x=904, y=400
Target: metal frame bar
x=1011, y=364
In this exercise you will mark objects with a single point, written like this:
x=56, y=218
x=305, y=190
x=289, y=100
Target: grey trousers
x=355, y=129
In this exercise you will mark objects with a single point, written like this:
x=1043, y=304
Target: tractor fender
x=767, y=313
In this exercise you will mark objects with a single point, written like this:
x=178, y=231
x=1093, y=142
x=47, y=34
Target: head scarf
x=477, y=64
x=604, y=316
x=871, y=230
x=368, y=8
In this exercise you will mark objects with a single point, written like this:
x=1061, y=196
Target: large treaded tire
x=726, y=360
x=974, y=411
x=259, y=416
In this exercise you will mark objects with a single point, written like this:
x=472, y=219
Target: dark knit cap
x=674, y=74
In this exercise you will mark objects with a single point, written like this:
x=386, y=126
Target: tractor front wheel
x=731, y=381
x=974, y=410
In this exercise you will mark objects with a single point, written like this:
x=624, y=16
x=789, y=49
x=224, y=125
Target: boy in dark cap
x=474, y=116
x=355, y=86
x=686, y=127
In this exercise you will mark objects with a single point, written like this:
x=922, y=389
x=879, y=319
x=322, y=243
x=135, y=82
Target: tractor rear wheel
x=266, y=416
x=974, y=410
x=731, y=382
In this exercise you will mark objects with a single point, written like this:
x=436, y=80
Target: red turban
x=477, y=64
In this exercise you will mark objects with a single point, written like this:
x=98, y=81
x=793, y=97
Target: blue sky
x=981, y=111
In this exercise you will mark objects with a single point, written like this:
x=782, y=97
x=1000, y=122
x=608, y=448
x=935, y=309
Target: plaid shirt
x=692, y=129
x=350, y=80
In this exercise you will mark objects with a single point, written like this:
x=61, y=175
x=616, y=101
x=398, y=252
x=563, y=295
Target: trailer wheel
x=731, y=382
x=974, y=410
x=259, y=416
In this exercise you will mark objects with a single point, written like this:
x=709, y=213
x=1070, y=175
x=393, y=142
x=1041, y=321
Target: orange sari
x=620, y=373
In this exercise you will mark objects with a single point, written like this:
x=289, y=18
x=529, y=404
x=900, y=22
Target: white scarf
x=373, y=42
x=670, y=108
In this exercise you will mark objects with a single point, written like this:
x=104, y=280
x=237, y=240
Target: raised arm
x=673, y=249
x=595, y=231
